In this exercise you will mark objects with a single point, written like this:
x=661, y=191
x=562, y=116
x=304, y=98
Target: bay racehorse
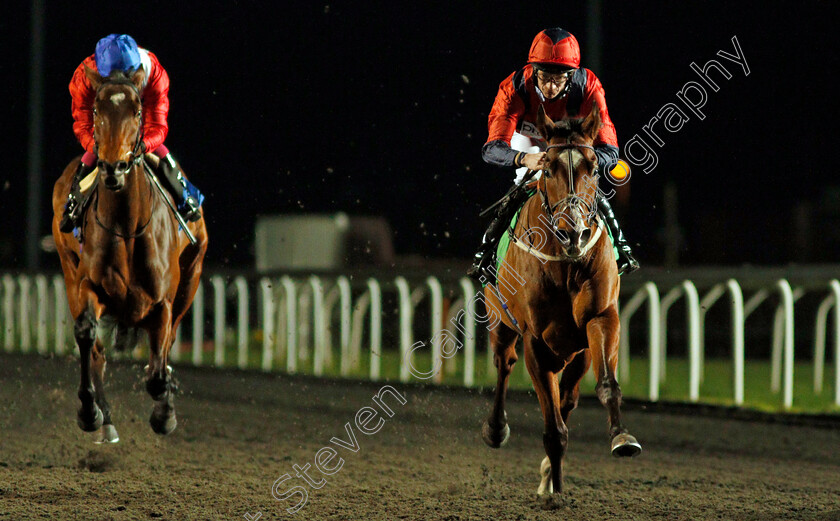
x=127, y=264
x=558, y=290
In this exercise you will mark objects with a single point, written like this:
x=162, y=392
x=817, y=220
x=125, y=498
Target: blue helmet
x=116, y=52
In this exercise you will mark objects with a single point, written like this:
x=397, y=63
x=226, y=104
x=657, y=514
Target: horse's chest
x=128, y=277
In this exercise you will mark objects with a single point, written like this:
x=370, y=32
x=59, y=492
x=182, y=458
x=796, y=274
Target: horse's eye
x=139, y=113
x=95, y=112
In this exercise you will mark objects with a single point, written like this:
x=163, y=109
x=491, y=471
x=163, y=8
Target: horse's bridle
x=572, y=199
x=122, y=167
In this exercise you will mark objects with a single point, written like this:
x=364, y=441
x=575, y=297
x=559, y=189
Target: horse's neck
x=536, y=224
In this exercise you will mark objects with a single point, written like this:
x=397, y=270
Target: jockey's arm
x=155, y=107
x=606, y=144
x=507, y=109
x=82, y=94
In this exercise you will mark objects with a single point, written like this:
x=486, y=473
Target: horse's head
x=569, y=187
x=117, y=124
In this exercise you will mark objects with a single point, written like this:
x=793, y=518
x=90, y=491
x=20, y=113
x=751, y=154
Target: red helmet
x=555, y=48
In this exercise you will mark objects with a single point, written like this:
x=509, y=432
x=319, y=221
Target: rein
x=112, y=230
x=572, y=198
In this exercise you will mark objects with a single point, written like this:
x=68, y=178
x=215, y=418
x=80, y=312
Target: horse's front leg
x=495, y=430
x=89, y=417
x=107, y=434
x=159, y=381
x=543, y=371
x=602, y=334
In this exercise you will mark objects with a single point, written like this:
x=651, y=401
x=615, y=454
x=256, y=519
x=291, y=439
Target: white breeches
x=523, y=143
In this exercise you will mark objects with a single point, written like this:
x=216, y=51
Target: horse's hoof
x=493, y=437
x=163, y=425
x=107, y=434
x=624, y=445
x=88, y=423
x=546, y=487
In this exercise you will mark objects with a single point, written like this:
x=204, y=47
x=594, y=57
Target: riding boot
x=485, y=255
x=175, y=182
x=73, y=207
x=626, y=262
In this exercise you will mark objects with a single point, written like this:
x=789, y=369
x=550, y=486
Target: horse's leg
x=89, y=416
x=107, y=434
x=555, y=434
x=190, y=263
x=570, y=382
x=495, y=430
x=159, y=383
x=602, y=334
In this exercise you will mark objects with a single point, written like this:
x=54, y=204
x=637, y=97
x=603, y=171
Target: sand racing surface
x=239, y=432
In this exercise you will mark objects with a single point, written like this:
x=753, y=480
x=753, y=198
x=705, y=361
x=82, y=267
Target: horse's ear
x=138, y=77
x=544, y=123
x=93, y=77
x=592, y=124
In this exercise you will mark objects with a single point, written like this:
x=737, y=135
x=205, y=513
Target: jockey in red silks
x=119, y=52
x=554, y=80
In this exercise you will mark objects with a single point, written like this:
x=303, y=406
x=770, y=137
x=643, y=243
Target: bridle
x=122, y=167
x=572, y=199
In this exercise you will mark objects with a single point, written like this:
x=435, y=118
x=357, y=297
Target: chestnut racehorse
x=133, y=267
x=559, y=290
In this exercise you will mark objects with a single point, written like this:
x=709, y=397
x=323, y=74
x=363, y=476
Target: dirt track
x=239, y=432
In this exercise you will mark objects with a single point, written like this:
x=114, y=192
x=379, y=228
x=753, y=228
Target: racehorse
x=127, y=264
x=558, y=290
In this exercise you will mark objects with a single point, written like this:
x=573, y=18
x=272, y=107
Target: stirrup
x=479, y=270
x=189, y=210
x=70, y=217
x=474, y=271
x=627, y=264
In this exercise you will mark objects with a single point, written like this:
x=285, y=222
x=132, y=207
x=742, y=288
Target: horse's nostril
x=563, y=235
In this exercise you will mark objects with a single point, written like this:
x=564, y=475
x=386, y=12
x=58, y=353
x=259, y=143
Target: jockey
x=552, y=78
x=119, y=52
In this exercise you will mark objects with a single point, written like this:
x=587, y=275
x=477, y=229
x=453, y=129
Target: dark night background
x=381, y=109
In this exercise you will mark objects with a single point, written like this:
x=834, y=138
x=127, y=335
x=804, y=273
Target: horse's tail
x=120, y=336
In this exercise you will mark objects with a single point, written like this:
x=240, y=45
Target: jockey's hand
x=535, y=161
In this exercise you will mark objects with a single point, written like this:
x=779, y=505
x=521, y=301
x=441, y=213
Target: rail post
x=469, y=294
x=375, y=292
x=267, y=299
x=197, y=310
x=61, y=314
x=290, y=293
x=219, y=314
x=24, y=303
x=318, y=324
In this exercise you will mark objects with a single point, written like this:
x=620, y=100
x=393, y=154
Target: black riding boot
x=486, y=252
x=188, y=207
x=626, y=262
x=74, y=205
